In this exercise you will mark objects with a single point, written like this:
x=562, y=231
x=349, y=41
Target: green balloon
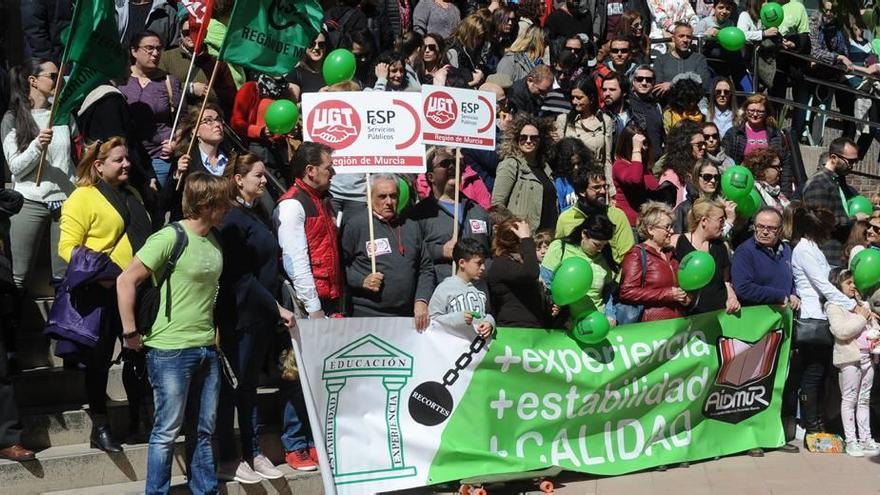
x=281, y=116
x=748, y=206
x=571, y=281
x=731, y=38
x=736, y=182
x=866, y=269
x=696, y=270
x=875, y=45
x=338, y=66
x=772, y=15
x=402, y=195
x=592, y=328
x=859, y=204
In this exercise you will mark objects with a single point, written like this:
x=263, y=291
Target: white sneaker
x=870, y=447
x=264, y=467
x=238, y=471
x=854, y=450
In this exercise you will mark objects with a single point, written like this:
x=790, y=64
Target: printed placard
x=464, y=118
x=370, y=132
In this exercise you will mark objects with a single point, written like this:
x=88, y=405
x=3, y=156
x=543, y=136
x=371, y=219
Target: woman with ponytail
x=105, y=215
x=30, y=136
x=248, y=316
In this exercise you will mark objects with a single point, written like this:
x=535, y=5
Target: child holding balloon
x=457, y=302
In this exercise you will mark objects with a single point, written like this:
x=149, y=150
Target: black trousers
x=10, y=428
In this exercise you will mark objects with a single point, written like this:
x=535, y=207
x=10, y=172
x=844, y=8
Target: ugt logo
x=744, y=384
x=373, y=365
x=334, y=123
x=284, y=14
x=440, y=109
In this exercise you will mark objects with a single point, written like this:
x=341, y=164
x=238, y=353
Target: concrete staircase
x=51, y=398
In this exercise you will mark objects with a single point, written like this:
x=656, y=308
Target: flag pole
x=186, y=84
x=455, y=218
x=45, y=150
x=195, y=133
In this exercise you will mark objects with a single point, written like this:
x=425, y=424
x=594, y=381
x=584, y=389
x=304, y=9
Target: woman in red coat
x=659, y=294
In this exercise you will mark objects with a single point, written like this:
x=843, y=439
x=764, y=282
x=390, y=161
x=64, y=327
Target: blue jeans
x=296, y=433
x=162, y=169
x=185, y=381
x=246, y=351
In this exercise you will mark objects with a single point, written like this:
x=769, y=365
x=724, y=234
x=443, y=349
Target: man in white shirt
x=307, y=232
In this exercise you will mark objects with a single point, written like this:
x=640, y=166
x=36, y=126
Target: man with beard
x=568, y=20
x=592, y=190
x=644, y=106
x=680, y=60
x=614, y=102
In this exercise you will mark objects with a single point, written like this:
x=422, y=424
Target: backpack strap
x=180, y=242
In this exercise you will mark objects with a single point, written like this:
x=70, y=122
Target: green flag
x=271, y=36
x=94, y=53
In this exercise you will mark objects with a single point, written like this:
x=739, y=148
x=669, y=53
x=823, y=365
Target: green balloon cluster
x=571, y=281
x=696, y=270
x=772, y=15
x=338, y=66
x=591, y=329
x=859, y=204
x=866, y=269
x=281, y=116
x=737, y=182
x=731, y=38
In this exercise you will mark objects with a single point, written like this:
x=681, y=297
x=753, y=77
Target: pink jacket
x=472, y=187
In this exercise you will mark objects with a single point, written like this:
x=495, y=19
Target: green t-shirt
x=796, y=20
x=193, y=289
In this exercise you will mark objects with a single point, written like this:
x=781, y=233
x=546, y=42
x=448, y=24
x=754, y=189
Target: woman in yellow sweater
x=105, y=215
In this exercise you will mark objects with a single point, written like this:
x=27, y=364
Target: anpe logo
x=334, y=123
x=440, y=110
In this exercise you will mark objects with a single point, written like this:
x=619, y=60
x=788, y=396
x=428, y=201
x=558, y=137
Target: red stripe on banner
x=453, y=139
x=378, y=160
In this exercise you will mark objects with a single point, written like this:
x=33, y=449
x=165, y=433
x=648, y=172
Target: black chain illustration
x=463, y=361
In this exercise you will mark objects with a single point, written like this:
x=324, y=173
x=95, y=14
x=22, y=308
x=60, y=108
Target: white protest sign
x=462, y=118
x=370, y=132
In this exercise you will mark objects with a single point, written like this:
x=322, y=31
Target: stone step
x=70, y=424
x=35, y=351
x=300, y=483
x=59, y=386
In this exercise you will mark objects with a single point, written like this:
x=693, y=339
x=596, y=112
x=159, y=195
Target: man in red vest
x=306, y=226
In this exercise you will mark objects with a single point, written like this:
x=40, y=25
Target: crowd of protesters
x=616, y=121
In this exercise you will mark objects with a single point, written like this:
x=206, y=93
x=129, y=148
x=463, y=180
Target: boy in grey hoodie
x=456, y=301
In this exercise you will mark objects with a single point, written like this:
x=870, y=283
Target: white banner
x=463, y=118
x=371, y=131
x=360, y=377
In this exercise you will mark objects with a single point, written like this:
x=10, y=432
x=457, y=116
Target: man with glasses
x=828, y=189
x=680, y=60
x=643, y=105
x=619, y=58
x=761, y=274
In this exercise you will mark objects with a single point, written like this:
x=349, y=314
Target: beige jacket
x=597, y=135
x=846, y=327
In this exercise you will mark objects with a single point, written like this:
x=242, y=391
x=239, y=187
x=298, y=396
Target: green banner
x=271, y=36
x=656, y=393
x=94, y=53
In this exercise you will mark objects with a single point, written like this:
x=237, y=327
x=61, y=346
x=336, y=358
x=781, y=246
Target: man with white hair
x=403, y=280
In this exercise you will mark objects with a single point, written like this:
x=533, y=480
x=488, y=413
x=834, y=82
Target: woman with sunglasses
x=585, y=123
x=756, y=128
x=722, y=105
x=862, y=235
x=766, y=167
x=706, y=221
x=152, y=96
x=308, y=77
x=523, y=54
x=714, y=152
x=704, y=181
x=505, y=28
x=685, y=147
x=523, y=179
x=31, y=134
x=433, y=57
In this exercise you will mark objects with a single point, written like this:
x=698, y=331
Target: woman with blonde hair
x=103, y=217
x=465, y=50
x=705, y=226
x=523, y=54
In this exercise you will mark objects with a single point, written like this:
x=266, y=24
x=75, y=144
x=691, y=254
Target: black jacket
x=653, y=120
x=42, y=22
x=522, y=100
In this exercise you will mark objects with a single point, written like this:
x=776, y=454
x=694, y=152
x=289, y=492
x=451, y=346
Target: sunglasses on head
x=710, y=177
x=529, y=138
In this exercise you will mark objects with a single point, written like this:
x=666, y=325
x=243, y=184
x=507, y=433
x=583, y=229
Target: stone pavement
x=776, y=473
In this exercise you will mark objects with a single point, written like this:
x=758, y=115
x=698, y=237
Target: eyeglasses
x=51, y=75
x=529, y=138
x=510, y=20
x=667, y=227
x=766, y=228
x=574, y=50
x=751, y=111
x=849, y=161
x=776, y=166
x=598, y=187
x=710, y=177
x=150, y=49
x=643, y=79
x=699, y=144
x=874, y=228
x=445, y=163
x=722, y=92
x=318, y=45
x=430, y=47
x=212, y=121
x=710, y=136
x=620, y=50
